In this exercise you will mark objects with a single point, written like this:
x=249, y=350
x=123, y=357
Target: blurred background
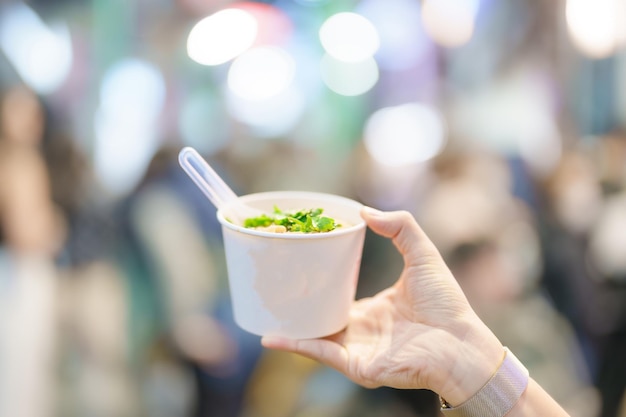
x=501, y=125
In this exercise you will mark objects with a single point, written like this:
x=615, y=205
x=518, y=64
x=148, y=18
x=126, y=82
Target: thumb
x=402, y=228
x=325, y=350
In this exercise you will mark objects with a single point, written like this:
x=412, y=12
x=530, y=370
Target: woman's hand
x=419, y=333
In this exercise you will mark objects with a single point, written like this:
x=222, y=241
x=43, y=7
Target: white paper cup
x=296, y=285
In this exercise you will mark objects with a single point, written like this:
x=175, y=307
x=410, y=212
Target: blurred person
x=571, y=198
x=88, y=210
x=489, y=239
x=63, y=286
x=606, y=255
x=171, y=226
x=94, y=376
x=609, y=156
x=95, y=338
x=422, y=333
x=581, y=221
x=607, y=259
x=31, y=220
x=31, y=233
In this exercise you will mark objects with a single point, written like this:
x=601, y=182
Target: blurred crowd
x=121, y=307
x=118, y=305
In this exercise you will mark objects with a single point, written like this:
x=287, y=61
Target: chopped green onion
x=303, y=221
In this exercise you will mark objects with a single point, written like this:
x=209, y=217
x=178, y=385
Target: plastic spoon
x=213, y=186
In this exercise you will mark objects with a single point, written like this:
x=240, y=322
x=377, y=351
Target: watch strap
x=498, y=395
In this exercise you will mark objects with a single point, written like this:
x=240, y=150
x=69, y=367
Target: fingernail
x=372, y=211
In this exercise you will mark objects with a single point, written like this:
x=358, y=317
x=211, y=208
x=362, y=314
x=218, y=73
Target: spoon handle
x=205, y=177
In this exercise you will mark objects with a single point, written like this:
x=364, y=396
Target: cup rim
x=267, y=195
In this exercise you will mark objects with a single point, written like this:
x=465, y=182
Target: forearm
x=536, y=402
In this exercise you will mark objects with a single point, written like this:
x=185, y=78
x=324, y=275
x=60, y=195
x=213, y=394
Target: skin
x=28, y=217
x=420, y=333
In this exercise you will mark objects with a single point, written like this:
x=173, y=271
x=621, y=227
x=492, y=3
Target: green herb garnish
x=304, y=221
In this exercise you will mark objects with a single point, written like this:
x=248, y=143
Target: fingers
x=402, y=229
x=325, y=351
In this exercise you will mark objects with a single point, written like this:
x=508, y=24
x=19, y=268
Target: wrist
x=474, y=357
x=498, y=396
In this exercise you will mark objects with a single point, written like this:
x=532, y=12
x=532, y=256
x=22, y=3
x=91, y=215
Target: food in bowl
x=297, y=221
x=293, y=284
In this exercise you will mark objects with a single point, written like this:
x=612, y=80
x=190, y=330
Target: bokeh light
x=349, y=78
x=450, y=23
x=349, y=37
x=274, y=27
x=597, y=27
x=41, y=54
x=402, y=41
x=222, y=36
x=131, y=99
x=269, y=118
x=608, y=240
x=405, y=134
x=261, y=73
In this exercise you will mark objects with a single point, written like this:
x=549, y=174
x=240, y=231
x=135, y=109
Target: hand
x=419, y=333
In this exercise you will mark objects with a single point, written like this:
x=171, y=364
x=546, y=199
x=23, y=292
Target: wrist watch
x=498, y=395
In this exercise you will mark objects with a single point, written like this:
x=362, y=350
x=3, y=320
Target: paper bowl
x=296, y=285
